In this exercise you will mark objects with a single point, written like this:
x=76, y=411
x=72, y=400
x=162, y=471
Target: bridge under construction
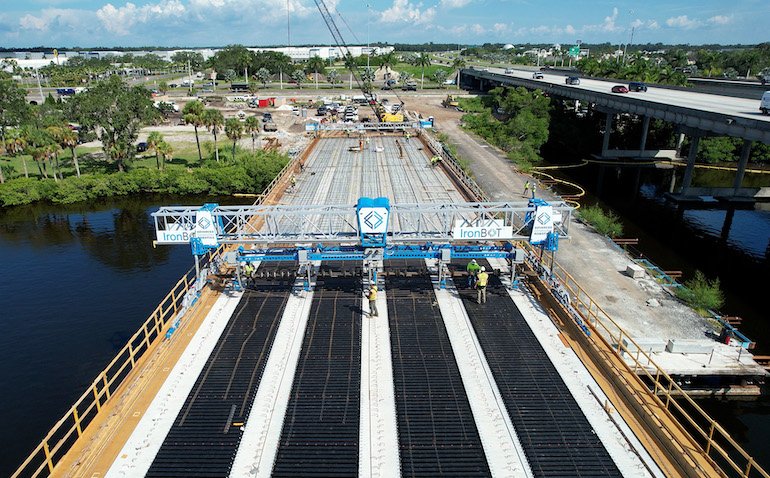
x=264, y=360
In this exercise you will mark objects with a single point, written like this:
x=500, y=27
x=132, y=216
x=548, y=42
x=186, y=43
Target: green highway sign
x=574, y=51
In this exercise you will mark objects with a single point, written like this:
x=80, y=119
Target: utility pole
x=189, y=75
x=39, y=86
x=288, y=24
x=368, y=44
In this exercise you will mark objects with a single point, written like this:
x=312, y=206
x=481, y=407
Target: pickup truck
x=269, y=126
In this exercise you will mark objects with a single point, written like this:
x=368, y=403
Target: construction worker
x=372, y=301
x=434, y=161
x=534, y=189
x=526, y=188
x=293, y=182
x=481, y=286
x=473, y=269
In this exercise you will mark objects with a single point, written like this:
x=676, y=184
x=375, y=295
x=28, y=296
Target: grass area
x=701, y=294
x=416, y=71
x=606, y=223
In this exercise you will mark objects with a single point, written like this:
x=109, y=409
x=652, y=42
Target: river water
x=79, y=280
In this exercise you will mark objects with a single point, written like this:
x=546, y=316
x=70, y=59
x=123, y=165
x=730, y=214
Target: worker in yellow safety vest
x=481, y=286
x=435, y=160
x=372, y=301
x=526, y=188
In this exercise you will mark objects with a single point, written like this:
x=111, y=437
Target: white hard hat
x=483, y=268
x=473, y=260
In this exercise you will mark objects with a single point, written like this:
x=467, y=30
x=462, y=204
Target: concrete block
x=646, y=344
x=635, y=271
x=681, y=346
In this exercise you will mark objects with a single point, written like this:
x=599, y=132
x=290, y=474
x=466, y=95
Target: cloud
x=720, y=19
x=683, y=21
x=609, y=25
x=454, y=3
x=403, y=11
x=570, y=30
x=53, y=17
x=499, y=27
x=120, y=20
x=478, y=29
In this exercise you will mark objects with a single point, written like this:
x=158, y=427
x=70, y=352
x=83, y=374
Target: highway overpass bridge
x=696, y=114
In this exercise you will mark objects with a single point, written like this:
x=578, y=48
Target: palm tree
x=214, y=121
x=252, y=127
x=163, y=87
x=165, y=151
x=388, y=61
x=423, y=60
x=69, y=139
x=15, y=143
x=56, y=133
x=440, y=76
x=263, y=75
x=234, y=131
x=154, y=140
x=298, y=76
x=333, y=76
x=193, y=114
x=316, y=64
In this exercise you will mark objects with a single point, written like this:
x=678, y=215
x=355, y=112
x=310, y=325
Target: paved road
x=688, y=99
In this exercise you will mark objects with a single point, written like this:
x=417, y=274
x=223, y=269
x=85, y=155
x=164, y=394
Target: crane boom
x=348, y=57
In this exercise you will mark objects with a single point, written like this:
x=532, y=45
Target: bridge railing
x=697, y=434
x=65, y=432
x=454, y=167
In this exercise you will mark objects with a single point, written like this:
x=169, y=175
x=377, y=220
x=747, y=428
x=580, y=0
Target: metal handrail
x=665, y=391
x=59, y=439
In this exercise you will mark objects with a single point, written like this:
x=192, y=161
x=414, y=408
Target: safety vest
x=372, y=294
x=481, y=279
x=473, y=268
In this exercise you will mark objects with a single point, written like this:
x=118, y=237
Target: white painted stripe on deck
x=502, y=447
x=138, y=453
x=259, y=444
x=378, y=434
x=624, y=448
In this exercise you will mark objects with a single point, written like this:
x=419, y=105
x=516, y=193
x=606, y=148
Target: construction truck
x=269, y=126
x=392, y=117
x=450, y=102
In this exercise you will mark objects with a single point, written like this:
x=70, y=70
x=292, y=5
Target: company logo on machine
x=174, y=233
x=543, y=224
x=481, y=230
x=373, y=220
x=204, y=229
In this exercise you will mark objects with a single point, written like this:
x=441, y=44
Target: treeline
x=248, y=173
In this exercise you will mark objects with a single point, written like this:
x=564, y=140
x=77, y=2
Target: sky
x=108, y=23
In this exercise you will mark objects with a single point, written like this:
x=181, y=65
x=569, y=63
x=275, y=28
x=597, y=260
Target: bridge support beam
x=687, y=181
x=645, y=132
x=607, y=133
x=742, y=162
x=679, y=143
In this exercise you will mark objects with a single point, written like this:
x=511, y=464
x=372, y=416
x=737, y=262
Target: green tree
x=717, y=149
x=116, y=112
x=165, y=151
x=193, y=114
x=233, y=57
x=234, y=131
x=263, y=75
x=298, y=76
x=387, y=61
x=214, y=121
x=163, y=87
x=69, y=139
x=440, y=76
x=13, y=108
x=316, y=65
x=252, y=127
x=422, y=60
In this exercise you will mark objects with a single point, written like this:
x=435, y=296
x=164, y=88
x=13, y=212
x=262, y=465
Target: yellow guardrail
x=705, y=437
x=65, y=432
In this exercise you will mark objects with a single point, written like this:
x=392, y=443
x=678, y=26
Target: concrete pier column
x=607, y=133
x=687, y=181
x=742, y=162
x=645, y=132
x=679, y=143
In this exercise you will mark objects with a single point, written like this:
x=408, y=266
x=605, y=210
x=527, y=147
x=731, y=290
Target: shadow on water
x=79, y=280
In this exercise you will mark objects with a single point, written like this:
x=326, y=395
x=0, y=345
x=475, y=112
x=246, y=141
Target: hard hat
x=474, y=261
x=483, y=268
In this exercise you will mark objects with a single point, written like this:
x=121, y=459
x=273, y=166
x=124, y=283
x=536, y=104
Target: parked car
x=538, y=75
x=141, y=147
x=267, y=117
x=509, y=71
x=386, y=87
x=409, y=87
x=619, y=89
x=573, y=80
x=321, y=111
x=637, y=86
